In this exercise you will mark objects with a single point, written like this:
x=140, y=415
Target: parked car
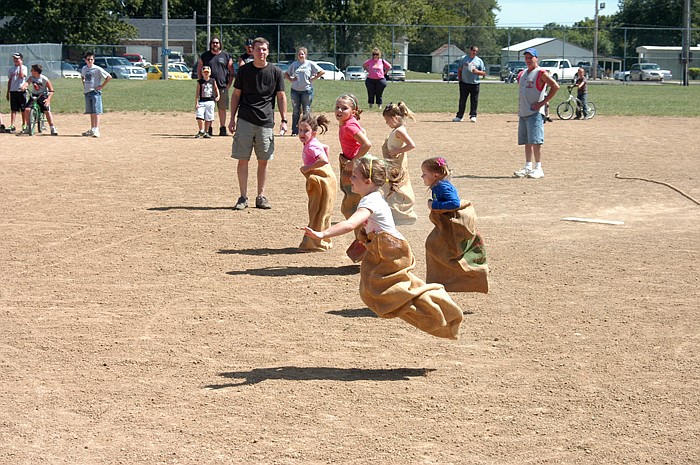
x=183, y=68
x=396, y=73
x=646, y=72
x=510, y=70
x=69, y=71
x=119, y=68
x=586, y=65
x=283, y=65
x=622, y=75
x=60, y=69
x=331, y=71
x=355, y=73
x=137, y=59
x=155, y=72
x=450, y=72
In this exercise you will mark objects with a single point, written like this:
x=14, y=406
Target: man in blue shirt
x=470, y=70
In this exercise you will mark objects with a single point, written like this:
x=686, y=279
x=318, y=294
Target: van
x=137, y=59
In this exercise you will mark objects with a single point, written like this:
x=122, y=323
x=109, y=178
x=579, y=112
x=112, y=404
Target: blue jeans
x=300, y=98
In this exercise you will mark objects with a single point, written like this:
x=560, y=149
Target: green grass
x=178, y=96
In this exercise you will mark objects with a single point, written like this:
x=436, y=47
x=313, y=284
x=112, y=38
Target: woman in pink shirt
x=376, y=81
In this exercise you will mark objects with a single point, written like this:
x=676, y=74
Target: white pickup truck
x=559, y=69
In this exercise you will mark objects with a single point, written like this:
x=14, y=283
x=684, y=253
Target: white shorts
x=205, y=110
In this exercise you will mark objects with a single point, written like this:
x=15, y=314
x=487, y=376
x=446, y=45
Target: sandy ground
x=146, y=322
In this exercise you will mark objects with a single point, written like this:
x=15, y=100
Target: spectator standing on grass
x=581, y=84
x=256, y=87
x=247, y=56
x=221, y=66
x=41, y=87
x=94, y=81
x=471, y=70
x=375, y=82
x=532, y=100
x=301, y=74
x=17, y=97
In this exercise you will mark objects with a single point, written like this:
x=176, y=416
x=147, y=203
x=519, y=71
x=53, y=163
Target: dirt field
x=146, y=322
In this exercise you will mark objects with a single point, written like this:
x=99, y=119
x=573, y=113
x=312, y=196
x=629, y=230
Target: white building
x=667, y=58
x=444, y=55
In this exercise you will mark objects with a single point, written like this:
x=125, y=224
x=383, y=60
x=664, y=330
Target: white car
x=646, y=72
x=330, y=71
x=396, y=73
x=355, y=73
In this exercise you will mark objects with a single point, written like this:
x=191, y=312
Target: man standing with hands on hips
x=470, y=70
x=532, y=101
x=256, y=86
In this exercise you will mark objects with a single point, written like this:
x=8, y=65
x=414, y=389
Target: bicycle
x=566, y=110
x=37, y=120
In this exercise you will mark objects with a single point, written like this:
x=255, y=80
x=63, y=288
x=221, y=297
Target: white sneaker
x=536, y=173
x=521, y=173
x=96, y=133
x=457, y=120
x=472, y=119
x=87, y=133
x=54, y=131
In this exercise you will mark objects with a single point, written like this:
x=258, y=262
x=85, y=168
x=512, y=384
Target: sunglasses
x=216, y=42
x=375, y=54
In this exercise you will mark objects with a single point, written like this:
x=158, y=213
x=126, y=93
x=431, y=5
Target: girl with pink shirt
x=376, y=68
x=355, y=144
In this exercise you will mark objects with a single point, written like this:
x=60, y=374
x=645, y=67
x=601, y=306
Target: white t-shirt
x=381, y=218
x=92, y=77
x=38, y=86
x=303, y=72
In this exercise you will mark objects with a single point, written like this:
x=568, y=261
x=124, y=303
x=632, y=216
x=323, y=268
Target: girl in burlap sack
x=387, y=284
x=399, y=197
x=354, y=144
x=455, y=252
x=320, y=179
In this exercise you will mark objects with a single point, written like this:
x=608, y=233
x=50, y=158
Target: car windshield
x=327, y=66
x=354, y=69
x=517, y=64
x=67, y=66
x=651, y=66
x=549, y=64
x=396, y=68
x=118, y=61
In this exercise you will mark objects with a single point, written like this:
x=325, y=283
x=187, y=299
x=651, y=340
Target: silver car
x=355, y=73
x=120, y=68
x=646, y=72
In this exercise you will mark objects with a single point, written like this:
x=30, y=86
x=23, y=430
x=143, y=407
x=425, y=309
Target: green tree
x=67, y=21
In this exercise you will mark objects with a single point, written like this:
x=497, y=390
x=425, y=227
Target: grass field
x=610, y=99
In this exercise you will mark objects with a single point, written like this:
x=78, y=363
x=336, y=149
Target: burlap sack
x=455, y=251
x=321, y=186
x=390, y=289
x=400, y=197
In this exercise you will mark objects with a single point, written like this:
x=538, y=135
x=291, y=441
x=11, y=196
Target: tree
x=66, y=21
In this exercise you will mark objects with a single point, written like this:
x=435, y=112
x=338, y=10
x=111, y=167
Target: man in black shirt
x=257, y=86
x=222, y=72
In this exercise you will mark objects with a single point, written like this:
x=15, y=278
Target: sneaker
x=536, y=173
x=199, y=135
x=457, y=119
x=211, y=131
x=206, y=135
x=54, y=131
x=96, y=133
x=521, y=173
x=242, y=203
x=10, y=129
x=262, y=202
x=472, y=119
x=2, y=128
x=548, y=120
x=222, y=131
x=87, y=133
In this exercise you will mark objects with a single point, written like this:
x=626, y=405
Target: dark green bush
x=694, y=73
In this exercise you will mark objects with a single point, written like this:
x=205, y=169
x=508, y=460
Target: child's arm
x=446, y=197
x=364, y=142
x=49, y=89
x=218, y=94
x=196, y=95
x=408, y=143
x=317, y=164
x=344, y=227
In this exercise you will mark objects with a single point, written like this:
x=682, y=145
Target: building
x=149, y=43
x=443, y=56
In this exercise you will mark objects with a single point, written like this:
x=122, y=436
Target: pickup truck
x=559, y=69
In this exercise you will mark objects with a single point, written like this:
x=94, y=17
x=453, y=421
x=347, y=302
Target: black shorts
x=43, y=106
x=18, y=101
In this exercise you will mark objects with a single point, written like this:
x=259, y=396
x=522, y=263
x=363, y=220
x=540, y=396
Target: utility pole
x=166, y=51
x=685, y=53
x=594, y=63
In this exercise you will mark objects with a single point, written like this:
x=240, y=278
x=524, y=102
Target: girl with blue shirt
x=455, y=251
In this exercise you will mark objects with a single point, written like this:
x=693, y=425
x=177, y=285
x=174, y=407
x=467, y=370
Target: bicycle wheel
x=40, y=122
x=33, y=120
x=565, y=110
x=590, y=109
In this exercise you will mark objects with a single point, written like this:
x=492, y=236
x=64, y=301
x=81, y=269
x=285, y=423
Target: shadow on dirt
x=283, y=271
x=258, y=375
x=354, y=313
x=263, y=251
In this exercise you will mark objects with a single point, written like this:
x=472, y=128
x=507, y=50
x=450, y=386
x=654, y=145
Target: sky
x=537, y=13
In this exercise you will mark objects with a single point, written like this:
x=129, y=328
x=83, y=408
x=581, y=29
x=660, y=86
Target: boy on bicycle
x=40, y=87
x=581, y=84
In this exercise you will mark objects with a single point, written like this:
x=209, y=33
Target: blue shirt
x=467, y=64
x=445, y=196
